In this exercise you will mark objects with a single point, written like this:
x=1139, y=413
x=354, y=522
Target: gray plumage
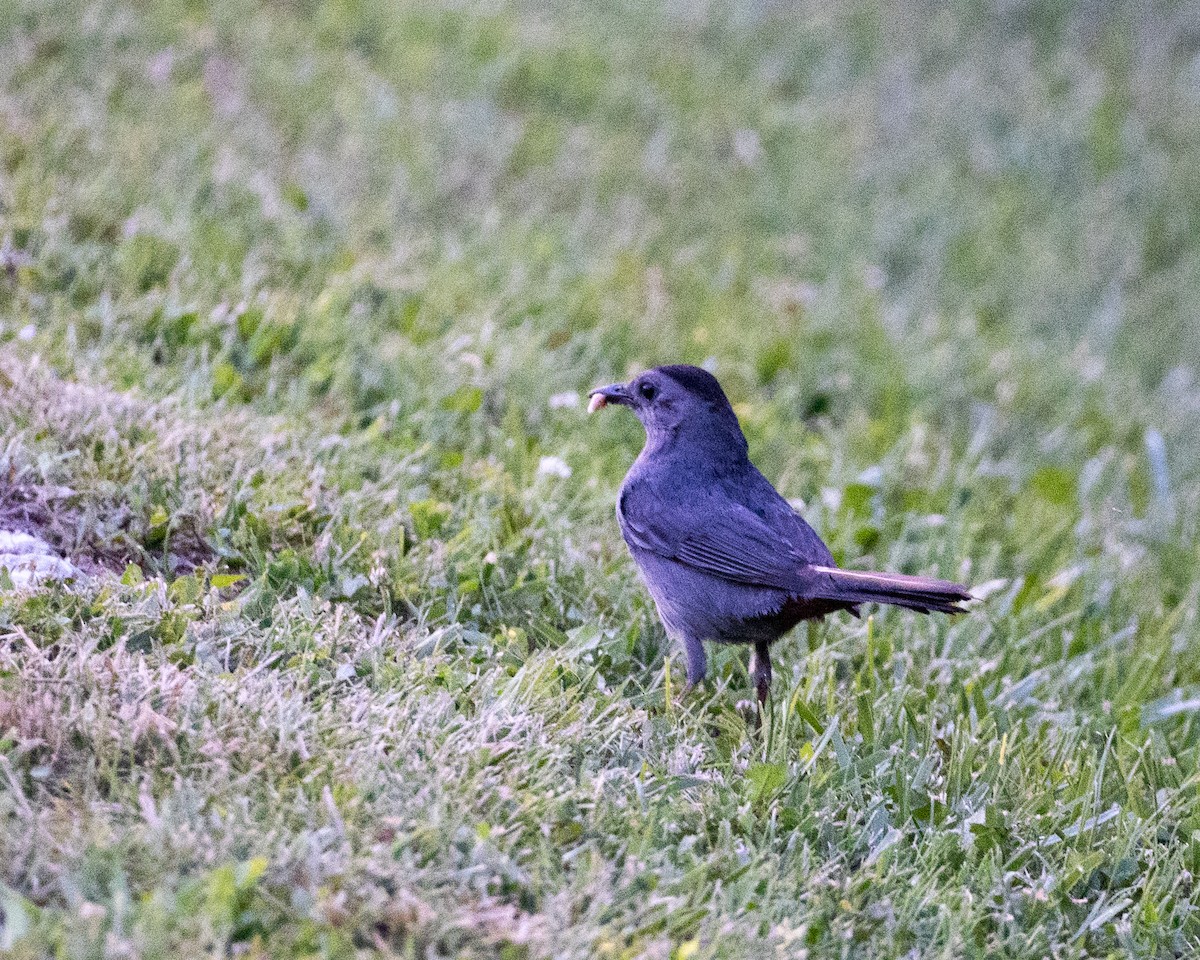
x=724, y=556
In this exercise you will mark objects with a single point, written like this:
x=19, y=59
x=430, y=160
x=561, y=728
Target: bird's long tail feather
x=923, y=594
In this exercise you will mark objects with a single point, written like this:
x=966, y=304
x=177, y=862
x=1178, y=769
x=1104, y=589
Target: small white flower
x=27, y=332
x=747, y=147
x=568, y=400
x=553, y=467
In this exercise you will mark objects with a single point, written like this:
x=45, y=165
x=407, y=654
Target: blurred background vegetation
x=307, y=294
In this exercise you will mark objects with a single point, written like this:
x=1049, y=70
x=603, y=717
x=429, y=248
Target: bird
x=725, y=557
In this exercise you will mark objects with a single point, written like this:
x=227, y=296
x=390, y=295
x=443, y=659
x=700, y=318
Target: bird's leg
x=760, y=672
x=697, y=662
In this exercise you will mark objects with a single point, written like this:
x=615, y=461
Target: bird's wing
x=712, y=534
x=752, y=489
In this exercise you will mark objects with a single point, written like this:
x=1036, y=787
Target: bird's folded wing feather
x=724, y=539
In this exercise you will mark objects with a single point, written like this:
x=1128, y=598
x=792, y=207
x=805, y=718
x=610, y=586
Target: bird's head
x=677, y=401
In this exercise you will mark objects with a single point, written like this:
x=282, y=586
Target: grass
x=297, y=298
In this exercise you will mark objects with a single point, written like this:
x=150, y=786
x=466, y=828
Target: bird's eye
x=648, y=390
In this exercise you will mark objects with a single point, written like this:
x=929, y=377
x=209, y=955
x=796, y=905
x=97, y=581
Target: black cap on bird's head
x=674, y=400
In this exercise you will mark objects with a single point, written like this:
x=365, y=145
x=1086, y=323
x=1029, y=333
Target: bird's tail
x=923, y=594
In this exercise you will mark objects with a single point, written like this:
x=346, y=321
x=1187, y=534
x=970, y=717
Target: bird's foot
x=760, y=673
x=762, y=688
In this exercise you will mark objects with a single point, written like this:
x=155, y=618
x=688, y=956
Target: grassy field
x=298, y=303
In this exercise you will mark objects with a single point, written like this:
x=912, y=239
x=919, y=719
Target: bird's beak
x=613, y=393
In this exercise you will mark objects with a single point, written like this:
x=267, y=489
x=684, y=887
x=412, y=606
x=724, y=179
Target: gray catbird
x=725, y=557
